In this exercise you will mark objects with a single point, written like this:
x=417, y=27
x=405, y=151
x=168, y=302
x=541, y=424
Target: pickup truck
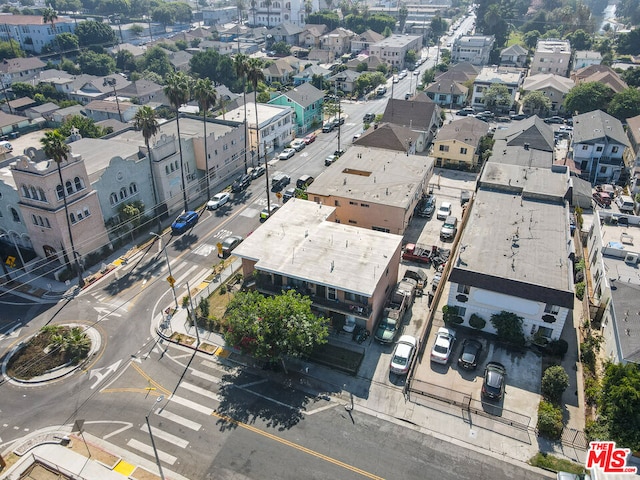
x=400, y=302
x=417, y=253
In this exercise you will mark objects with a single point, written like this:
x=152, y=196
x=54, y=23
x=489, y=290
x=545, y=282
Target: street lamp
x=112, y=83
x=171, y=280
x=153, y=443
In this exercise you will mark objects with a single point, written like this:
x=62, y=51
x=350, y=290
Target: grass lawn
x=515, y=39
x=218, y=303
x=556, y=464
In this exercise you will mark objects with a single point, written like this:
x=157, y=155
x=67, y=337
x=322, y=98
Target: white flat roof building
x=276, y=124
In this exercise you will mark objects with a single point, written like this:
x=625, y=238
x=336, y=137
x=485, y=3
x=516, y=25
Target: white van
x=625, y=203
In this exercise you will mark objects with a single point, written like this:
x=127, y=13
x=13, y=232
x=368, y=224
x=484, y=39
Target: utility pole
x=266, y=174
x=337, y=100
x=112, y=83
x=153, y=443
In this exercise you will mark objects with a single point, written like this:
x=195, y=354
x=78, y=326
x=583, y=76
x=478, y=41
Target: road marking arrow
x=100, y=375
x=103, y=313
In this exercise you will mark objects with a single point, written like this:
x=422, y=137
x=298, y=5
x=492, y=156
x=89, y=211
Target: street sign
x=171, y=280
x=11, y=261
x=278, y=195
x=219, y=245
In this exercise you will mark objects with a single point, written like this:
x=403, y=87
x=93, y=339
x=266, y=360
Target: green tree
x=362, y=67
x=629, y=43
x=49, y=15
x=55, y=148
x=549, y=420
x=206, y=97
x=156, y=60
x=531, y=39
x=555, y=381
x=86, y=127
x=387, y=32
x=508, y=327
x=580, y=40
x=403, y=13
x=620, y=403
x=178, y=91
x=537, y=102
x=10, y=49
x=91, y=33
x=125, y=61
x=282, y=48
x=67, y=42
x=410, y=57
x=146, y=121
x=274, y=327
x=136, y=29
x=625, y=104
x=428, y=76
x=496, y=96
x=587, y=97
x=330, y=19
x=317, y=81
x=438, y=26
x=631, y=76
x=99, y=64
x=69, y=66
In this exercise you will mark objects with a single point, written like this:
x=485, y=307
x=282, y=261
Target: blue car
x=184, y=222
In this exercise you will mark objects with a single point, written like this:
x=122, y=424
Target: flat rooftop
x=299, y=242
x=531, y=182
x=374, y=175
x=265, y=114
x=518, y=239
x=397, y=40
x=496, y=75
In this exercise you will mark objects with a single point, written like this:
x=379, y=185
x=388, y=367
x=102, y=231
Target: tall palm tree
x=147, y=122
x=49, y=15
x=241, y=65
x=254, y=4
x=56, y=149
x=206, y=96
x=178, y=91
x=268, y=3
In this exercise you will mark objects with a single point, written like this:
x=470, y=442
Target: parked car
x=426, y=206
x=368, y=118
x=470, y=354
x=330, y=159
x=493, y=383
x=288, y=194
x=266, y=212
x=449, y=228
x=310, y=138
x=298, y=144
x=228, y=244
x=218, y=200
x=466, y=111
x=258, y=171
x=603, y=199
x=442, y=347
x=7, y=145
x=304, y=181
x=517, y=116
x=403, y=354
x=444, y=211
x=465, y=196
x=554, y=120
x=286, y=154
x=328, y=127
x=241, y=183
x=184, y=222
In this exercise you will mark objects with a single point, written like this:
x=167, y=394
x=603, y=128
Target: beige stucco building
x=552, y=56
x=457, y=143
x=276, y=125
x=373, y=188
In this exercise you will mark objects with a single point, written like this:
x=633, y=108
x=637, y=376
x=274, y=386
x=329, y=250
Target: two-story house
x=448, y=94
x=309, y=73
x=586, y=58
x=552, y=56
x=457, y=143
x=31, y=31
x=474, y=49
x=363, y=41
x=527, y=143
x=279, y=71
x=337, y=41
x=275, y=127
x=20, y=69
x=513, y=56
x=285, y=32
x=345, y=80
x=511, y=78
x=598, y=146
x=602, y=74
x=419, y=113
x=311, y=35
x=555, y=87
x=306, y=101
x=392, y=137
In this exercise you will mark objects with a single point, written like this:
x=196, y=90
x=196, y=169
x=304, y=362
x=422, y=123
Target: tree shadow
x=185, y=242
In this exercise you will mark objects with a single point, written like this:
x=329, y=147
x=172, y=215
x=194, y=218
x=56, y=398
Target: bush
x=476, y=321
x=597, y=430
x=185, y=301
x=558, y=347
x=450, y=314
x=580, y=290
x=549, y=420
x=554, y=382
x=508, y=327
x=591, y=391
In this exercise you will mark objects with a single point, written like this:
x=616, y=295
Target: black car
x=470, y=354
x=554, y=120
x=493, y=384
x=517, y=116
x=241, y=183
x=426, y=206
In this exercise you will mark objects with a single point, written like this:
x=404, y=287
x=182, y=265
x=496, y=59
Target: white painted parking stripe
x=206, y=376
x=165, y=457
x=167, y=437
x=320, y=409
x=192, y=405
x=199, y=390
x=185, y=422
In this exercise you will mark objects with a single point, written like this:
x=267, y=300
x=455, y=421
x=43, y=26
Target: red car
x=310, y=138
x=603, y=199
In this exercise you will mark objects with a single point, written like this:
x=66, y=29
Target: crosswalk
x=195, y=406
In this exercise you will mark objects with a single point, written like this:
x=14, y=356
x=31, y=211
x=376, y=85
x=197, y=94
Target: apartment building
x=474, y=49
x=552, y=56
x=275, y=128
x=393, y=49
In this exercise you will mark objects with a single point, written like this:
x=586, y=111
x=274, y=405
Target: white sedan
x=443, y=346
x=218, y=200
x=403, y=354
x=287, y=153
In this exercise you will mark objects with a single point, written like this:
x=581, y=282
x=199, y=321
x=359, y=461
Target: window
x=33, y=192
x=46, y=223
x=166, y=169
x=69, y=187
x=72, y=217
x=585, y=147
x=336, y=202
x=113, y=199
x=123, y=193
x=34, y=219
x=614, y=149
x=14, y=214
x=79, y=184
x=462, y=311
x=463, y=150
x=380, y=229
x=331, y=293
x=463, y=289
x=552, y=309
x=41, y=195
x=60, y=192
x=353, y=222
x=545, y=332
x=353, y=203
x=25, y=191
x=598, y=149
x=444, y=148
x=365, y=205
x=133, y=189
x=86, y=212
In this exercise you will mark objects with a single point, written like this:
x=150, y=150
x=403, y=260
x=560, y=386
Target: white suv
x=444, y=211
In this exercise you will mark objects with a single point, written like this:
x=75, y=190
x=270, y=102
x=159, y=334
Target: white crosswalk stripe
x=199, y=390
x=185, y=422
x=167, y=437
x=206, y=376
x=193, y=405
x=141, y=447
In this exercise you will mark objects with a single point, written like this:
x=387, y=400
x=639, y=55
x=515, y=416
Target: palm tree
x=56, y=149
x=147, y=122
x=308, y=8
x=253, y=4
x=178, y=91
x=241, y=65
x=268, y=3
x=206, y=96
x=49, y=15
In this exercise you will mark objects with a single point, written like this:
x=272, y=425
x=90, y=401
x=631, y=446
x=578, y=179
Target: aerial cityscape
x=315, y=239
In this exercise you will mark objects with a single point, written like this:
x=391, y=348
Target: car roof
x=404, y=339
x=445, y=204
x=231, y=239
x=446, y=331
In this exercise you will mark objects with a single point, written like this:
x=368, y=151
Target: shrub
x=549, y=420
x=476, y=321
x=508, y=327
x=223, y=289
x=450, y=314
x=597, y=430
x=558, y=347
x=591, y=391
x=580, y=290
x=185, y=301
x=554, y=382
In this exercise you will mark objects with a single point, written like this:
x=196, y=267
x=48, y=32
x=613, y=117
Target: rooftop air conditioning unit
x=632, y=258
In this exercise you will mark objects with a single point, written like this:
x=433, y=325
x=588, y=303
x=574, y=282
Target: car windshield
x=468, y=356
x=181, y=218
x=494, y=379
x=399, y=360
x=440, y=348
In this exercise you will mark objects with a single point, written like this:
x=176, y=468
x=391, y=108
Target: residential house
x=143, y=91
x=63, y=114
x=460, y=73
x=527, y=269
x=308, y=73
x=388, y=136
x=128, y=35
x=20, y=69
x=279, y=71
x=233, y=32
x=219, y=15
x=393, y=49
x=363, y=41
x=10, y=123
x=275, y=128
x=286, y=32
x=135, y=50
x=632, y=154
x=99, y=110
x=371, y=61
x=306, y=101
x=447, y=94
x=346, y=271
x=31, y=32
x=474, y=49
x=345, y=80
x=419, y=113
x=41, y=111
x=337, y=41
x=87, y=88
x=17, y=106
x=457, y=144
x=600, y=74
x=613, y=286
x=374, y=188
x=223, y=48
x=586, y=58
x=511, y=78
x=598, y=146
x=310, y=36
x=321, y=56
x=528, y=143
x=552, y=56
x=554, y=87
x=514, y=56
x=180, y=60
x=274, y=13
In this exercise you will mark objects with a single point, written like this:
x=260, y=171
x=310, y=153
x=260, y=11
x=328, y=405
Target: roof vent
x=526, y=146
